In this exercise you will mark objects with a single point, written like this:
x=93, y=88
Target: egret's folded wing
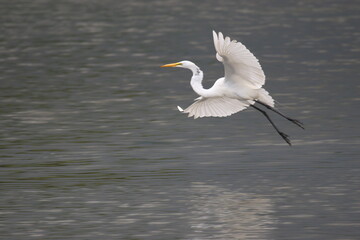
x=241, y=66
x=215, y=107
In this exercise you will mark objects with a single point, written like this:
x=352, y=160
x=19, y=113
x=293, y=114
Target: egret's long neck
x=196, y=81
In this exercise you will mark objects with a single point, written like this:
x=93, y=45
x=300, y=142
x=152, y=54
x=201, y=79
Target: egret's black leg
x=297, y=122
x=283, y=135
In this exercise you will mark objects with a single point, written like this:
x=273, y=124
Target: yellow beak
x=171, y=64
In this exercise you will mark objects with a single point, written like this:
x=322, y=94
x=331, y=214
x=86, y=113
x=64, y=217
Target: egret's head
x=182, y=64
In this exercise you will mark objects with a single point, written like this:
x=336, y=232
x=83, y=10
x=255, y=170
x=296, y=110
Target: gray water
x=93, y=147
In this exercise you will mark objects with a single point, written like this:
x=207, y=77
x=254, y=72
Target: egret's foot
x=285, y=137
x=297, y=122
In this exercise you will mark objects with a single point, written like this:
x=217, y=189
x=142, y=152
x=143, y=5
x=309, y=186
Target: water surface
x=93, y=147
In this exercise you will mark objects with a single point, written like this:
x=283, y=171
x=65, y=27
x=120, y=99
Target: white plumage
x=241, y=66
x=239, y=88
x=215, y=107
x=232, y=93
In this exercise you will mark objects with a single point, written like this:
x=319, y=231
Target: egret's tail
x=265, y=97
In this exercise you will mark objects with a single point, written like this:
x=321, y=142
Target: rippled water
x=93, y=147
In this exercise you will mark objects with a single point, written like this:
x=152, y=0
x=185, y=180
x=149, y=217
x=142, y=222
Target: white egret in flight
x=240, y=88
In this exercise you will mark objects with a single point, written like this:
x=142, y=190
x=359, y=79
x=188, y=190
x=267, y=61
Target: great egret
x=240, y=88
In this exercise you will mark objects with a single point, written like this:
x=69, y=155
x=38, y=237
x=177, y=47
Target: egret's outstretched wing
x=241, y=66
x=215, y=107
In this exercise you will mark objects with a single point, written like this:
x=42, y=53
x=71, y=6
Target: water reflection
x=218, y=213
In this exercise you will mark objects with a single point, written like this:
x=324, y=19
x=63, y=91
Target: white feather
x=241, y=66
x=215, y=107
